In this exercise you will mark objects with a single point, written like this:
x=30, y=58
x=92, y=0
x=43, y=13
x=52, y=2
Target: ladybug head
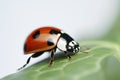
x=73, y=47
x=67, y=43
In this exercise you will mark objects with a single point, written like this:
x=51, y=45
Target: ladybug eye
x=69, y=47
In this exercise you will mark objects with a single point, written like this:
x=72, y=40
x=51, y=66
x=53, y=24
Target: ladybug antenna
x=28, y=60
x=87, y=50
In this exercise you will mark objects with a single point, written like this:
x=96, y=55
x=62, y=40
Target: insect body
x=49, y=39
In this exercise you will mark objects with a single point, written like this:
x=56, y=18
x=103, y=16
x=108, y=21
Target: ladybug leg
x=32, y=56
x=52, y=56
x=28, y=60
x=68, y=56
x=37, y=54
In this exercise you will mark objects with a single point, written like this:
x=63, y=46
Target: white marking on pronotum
x=62, y=44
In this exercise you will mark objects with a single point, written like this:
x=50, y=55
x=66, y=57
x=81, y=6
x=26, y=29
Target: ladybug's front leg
x=52, y=56
x=68, y=56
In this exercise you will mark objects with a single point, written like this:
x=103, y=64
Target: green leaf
x=102, y=62
x=97, y=63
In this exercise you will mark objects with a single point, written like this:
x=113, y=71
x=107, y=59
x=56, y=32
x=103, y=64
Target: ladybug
x=49, y=39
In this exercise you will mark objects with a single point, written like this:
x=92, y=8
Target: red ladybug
x=49, y=38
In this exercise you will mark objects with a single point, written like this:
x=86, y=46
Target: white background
x=80, y=18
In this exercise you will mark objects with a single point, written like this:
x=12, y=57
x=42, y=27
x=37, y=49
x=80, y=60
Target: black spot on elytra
x=54, y=32
x=25, y=47
x=50, y=42
x=36, y=34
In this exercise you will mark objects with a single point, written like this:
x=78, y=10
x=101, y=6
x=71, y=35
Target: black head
x=67, y=43
x=73, y=47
